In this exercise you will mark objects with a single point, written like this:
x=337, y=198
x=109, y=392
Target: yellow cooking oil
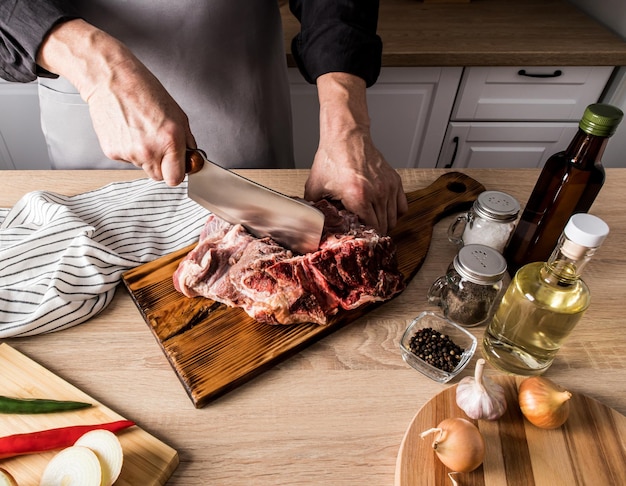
x=536, y=315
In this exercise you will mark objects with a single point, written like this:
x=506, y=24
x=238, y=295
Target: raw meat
x=353, y=266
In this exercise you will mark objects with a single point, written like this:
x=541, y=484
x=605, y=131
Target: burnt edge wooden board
x=589, y=449
x=214, y=348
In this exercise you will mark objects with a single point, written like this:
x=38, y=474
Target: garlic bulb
x=480, y=397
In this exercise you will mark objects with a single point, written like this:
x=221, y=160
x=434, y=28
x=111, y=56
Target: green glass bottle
x=568, y=184
x=544, y=302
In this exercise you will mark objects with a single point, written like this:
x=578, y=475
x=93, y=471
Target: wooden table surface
x=488, y=33
x=336, y=412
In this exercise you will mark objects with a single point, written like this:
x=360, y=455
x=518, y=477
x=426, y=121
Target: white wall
x=615, y=153
x=612, y=14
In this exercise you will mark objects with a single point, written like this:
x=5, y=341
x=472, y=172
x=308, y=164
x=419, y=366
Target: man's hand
x=347, y=165
x=135, y=118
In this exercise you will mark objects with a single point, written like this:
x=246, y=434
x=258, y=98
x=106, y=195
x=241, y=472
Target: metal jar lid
x=480, y=264
x=496, y=206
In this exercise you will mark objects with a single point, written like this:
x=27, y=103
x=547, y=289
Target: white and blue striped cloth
x=61, y=257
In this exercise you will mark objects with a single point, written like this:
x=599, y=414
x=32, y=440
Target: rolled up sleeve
x=23, y=26
x=337, y=36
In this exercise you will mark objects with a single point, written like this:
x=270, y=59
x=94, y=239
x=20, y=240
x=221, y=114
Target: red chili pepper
x=46, y=440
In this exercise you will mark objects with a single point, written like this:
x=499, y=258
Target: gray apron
x=224, y=63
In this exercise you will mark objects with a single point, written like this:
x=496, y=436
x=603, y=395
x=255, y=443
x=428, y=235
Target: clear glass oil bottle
x=544, y=302
x=568, y=183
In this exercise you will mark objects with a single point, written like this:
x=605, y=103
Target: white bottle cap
x=586, y=230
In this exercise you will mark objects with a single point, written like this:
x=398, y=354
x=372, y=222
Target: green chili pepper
x=38, y=405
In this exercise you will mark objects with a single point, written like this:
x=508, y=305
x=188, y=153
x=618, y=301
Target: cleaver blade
x=293, y=223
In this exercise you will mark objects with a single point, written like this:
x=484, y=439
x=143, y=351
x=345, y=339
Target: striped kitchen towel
x=61, y=257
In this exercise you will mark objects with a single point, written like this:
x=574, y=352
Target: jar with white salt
x=490, y=221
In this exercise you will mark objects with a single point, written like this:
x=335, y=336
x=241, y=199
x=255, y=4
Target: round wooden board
x=589, y=449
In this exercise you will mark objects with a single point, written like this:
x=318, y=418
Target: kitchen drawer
x=529, y=93
x=503, y=145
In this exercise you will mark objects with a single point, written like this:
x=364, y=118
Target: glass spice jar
x=471, y=287
x=490, y=221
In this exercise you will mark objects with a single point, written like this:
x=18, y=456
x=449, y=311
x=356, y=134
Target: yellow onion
x=459, y=445
x=543, y=403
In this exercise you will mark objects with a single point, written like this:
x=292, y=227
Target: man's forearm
x=135, y=118
x=347, y=165
x=343, y=104
x=82, y=53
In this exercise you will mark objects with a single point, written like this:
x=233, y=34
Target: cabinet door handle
x=455, y=141
x=555, y=74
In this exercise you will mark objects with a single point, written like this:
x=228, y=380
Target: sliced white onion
x=108, y=449
x=6, y=479
x=73, y=466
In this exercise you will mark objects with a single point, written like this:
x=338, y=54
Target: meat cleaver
x=293, y=223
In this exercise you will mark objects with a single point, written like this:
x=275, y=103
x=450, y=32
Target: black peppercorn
x=436, y=349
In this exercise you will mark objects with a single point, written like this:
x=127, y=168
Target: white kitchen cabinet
x=409, y=110
x=22, y=144
x=503, y=144
x=518, y=116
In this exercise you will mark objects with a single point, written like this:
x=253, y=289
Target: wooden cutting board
x=590, y=449
x=147, y=460
x=214, y=348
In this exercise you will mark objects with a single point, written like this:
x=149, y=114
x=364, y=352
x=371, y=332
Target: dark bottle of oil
x=568, y=184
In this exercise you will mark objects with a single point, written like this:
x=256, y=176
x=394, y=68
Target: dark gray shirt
x=223, y=61
x=336, y=35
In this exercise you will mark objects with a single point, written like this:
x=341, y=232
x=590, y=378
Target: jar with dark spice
x=472, y=286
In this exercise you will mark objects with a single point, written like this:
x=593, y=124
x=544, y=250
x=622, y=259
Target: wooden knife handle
x=194, y=161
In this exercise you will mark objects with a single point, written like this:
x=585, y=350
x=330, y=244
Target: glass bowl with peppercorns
x=437, y=347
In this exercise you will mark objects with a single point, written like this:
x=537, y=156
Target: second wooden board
x=589, y=449
x=147, y=460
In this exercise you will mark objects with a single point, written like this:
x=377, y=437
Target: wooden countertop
x=336, y=412
x=489, y=33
